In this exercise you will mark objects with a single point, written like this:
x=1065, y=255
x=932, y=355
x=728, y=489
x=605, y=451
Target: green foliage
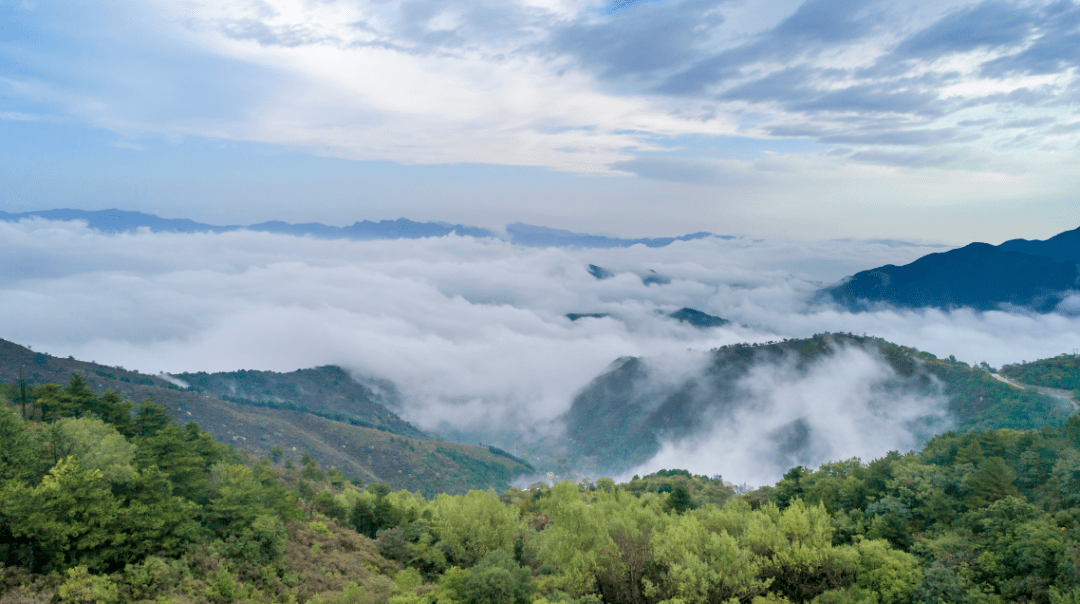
x=475, y=525
x=491, y=473
x=17, y=457
x=1062, y=371
x=891, y=574
x=141, y=509
x=260, y=543
x=99, y=446
x=71, y=518
x=679, y=498
x=81, y=587
x=497, y=579
x=497, y=451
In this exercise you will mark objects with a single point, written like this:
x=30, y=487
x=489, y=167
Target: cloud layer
x=839, y=408
x=473, y=332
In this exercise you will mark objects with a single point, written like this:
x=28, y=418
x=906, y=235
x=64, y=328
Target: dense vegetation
x=1062, y=372
x=328, y=391
x=328, y=421
x=103, y=500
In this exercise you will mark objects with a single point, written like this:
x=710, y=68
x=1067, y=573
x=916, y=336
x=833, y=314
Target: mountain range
x=615, y=423
x=1035, y=275
x=121, y=221
x=1019, y=274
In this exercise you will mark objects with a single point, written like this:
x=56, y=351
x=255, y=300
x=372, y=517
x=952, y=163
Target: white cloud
x=492, y=82
x=835, y=410
x=454, y=320
x=580, y=108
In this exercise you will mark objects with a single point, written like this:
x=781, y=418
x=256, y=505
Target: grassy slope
x=374, y=455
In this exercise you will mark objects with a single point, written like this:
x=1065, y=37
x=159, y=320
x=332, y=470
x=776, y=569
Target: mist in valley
x=778, y=415
x=474, y=334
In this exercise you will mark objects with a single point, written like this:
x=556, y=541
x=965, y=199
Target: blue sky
x=945, y=121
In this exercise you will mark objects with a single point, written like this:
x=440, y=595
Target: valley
x=346, y=428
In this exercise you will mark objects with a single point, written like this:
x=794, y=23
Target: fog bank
x=474, y=332
x=842, y=406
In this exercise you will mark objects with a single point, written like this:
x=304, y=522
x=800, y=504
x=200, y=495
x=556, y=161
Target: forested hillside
x=102, y=500
x=327, y=391
x=619, y=420
x=1061, y=372
x=355, y=434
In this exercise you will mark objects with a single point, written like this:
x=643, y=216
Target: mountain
x=327, y=391
x=698, y=318
x=538, y=236
x=978, y=275
x=121, y=221
x=600, y=273
x=620, y=419
x=574, y=316
x=319, y=412
x=1063, y=247
x=1059, y=373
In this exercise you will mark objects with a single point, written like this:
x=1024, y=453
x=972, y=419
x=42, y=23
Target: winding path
x=1064, y=395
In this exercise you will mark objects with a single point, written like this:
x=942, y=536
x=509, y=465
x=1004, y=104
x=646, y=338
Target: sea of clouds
x=840, y=406
x=473, y=332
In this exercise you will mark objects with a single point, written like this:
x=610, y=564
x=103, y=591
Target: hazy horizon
x=935, y=121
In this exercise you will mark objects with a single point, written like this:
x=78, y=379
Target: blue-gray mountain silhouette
x=121, y=221
x=600, y=272
x=1061, y=247
x=1034, y=275
x=538, y=236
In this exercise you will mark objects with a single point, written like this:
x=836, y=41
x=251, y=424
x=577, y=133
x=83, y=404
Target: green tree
x=71, y=518
x=679, y=498
x=475, y=525
x=16, y=456
x=497, y=579
x=98, y=445
x=889, y=573
x=992, y=480
x=74, y=400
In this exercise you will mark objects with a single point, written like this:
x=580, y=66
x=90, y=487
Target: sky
x=936, y=121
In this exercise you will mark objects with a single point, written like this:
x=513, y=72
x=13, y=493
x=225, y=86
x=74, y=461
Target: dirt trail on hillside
x=1058, y=393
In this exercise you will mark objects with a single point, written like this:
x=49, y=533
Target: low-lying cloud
x=845, y=405
x=473, y=332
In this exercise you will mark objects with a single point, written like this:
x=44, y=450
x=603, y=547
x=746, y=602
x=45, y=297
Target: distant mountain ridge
x=1063, y=247
x=538, y=236
x=122, y=221
x=1031, y=274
